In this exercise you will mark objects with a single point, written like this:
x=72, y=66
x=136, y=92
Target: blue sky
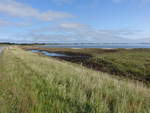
x=101, y=21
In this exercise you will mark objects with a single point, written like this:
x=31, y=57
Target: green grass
x=132, y=63
x=30, y=83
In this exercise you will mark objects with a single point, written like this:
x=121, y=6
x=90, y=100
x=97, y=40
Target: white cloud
x=141, y=1
x=64, y=27
x=73, y=26
x=76, y=32
x=60, y=2
x=16, y=9
x=117, y=1
x=5, y=23
x=83, y=28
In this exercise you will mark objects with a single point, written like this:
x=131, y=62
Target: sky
x=75, y=21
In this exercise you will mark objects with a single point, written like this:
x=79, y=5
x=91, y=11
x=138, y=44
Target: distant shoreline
x=9, y=43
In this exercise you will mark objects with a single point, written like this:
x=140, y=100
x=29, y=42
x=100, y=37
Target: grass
x=30, y=83
x=133, y=63
x=130, y=63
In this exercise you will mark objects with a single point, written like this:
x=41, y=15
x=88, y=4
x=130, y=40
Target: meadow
x=31, y=83
x=128, y=63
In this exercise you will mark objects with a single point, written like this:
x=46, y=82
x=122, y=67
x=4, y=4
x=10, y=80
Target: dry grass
x=35, y=84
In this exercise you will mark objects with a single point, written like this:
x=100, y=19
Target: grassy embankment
x=30, y=83
x=133, y=63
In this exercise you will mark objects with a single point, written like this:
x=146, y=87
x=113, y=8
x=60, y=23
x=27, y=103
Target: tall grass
x=34, y=84
x=130, y=63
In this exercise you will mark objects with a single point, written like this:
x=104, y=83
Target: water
x=76, y=46
x=52, y=54
x=98, y=46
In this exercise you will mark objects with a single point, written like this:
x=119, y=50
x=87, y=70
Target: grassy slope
x=34, y=84
x=134, y=63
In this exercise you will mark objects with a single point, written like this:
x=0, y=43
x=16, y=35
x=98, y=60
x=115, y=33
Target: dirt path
x=1, y=49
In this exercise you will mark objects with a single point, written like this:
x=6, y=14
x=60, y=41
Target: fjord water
x=93, y=45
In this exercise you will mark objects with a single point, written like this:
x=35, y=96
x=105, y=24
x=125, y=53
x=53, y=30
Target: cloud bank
x=58, y=31
x=141, y=1
x=76, y=32
x=17, y=9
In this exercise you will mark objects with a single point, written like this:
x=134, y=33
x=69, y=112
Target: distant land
x=11, y=43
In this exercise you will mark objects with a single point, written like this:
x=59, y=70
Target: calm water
x=99, y=46
x=49, y=53
x=52, y=54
